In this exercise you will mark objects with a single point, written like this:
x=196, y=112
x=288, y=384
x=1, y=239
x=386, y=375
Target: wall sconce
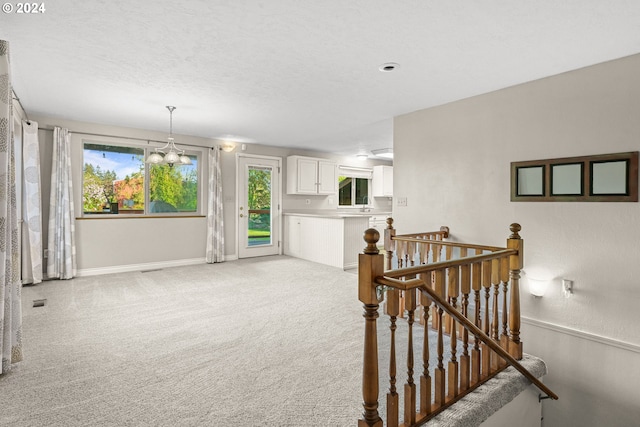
x=537, y=287
x=228, y=147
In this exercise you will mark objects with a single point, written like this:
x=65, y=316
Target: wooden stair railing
x=440, y=285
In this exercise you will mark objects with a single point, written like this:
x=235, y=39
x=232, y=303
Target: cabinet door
x=387, y=181
x=307, y=176
x=292, y=236
x=327, y=178
x=383, y=181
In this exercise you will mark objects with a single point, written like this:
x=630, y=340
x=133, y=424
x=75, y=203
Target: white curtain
x=31, y=208
x=10, y=286
x=61, y=262
x=215, y=227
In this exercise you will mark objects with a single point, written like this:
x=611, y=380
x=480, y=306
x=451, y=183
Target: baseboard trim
x=350, y=266
x=581, y=334
x=138, y=267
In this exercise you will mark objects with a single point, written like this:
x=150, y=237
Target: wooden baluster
x=486, y=284
x=465, y=289
x=425, y=378
x=410, y=387
x=411, y=253
x=515, y=265
x=447, y=317
x=495, y=281
x=504, y=278
x=393, y=307
x=424, y=252
x=439, y=373
x=495, y=326
x=453, y=363
x=475, y=353
x=436, y=257
x=420, y=249
x=401, y=249
x=389, y=243
x=424, y=255
x=370, y=266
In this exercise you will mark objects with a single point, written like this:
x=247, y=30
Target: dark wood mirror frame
x=621, y=185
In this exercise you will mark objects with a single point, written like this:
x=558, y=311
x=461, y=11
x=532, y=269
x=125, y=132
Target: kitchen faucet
x=365, y=199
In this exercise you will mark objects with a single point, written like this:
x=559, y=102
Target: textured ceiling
x=297, y=73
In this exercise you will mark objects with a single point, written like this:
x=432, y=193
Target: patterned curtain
x=61, y=263
x=215, y=227
x=10, y=286
x=31, y=209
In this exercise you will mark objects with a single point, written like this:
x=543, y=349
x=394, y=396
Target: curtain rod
x=125, y=137
x=17, y=98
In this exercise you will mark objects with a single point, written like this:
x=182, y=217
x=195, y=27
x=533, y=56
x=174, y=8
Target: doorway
x=258, y=206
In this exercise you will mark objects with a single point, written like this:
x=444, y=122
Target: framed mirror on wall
x=600, y=178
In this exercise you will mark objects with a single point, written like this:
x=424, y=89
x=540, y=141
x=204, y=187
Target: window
x=116, y=180
x=353, y=191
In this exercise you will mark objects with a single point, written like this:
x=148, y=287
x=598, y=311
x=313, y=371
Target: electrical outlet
x=402, y=202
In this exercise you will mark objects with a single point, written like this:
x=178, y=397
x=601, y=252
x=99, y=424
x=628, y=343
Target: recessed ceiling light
x=388, y=67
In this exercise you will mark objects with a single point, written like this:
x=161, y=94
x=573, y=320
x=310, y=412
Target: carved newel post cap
x=515, y=228
x=389, y=222
x=371, y=236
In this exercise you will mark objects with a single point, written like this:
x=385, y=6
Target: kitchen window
x=354, y=186
x=116, y=180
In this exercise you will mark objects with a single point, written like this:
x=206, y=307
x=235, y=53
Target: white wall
x=112, y=243
x=452, y=164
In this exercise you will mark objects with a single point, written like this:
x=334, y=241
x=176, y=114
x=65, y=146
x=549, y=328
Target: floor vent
x=39, y=302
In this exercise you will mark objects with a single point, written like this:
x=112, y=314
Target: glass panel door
x=259, y=205
x=258, y=213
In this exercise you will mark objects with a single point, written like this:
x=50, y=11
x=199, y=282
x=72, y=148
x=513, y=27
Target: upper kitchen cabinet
x=309, y=175
x=382, y=181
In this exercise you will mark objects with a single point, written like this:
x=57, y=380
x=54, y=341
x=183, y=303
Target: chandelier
x=169, y=154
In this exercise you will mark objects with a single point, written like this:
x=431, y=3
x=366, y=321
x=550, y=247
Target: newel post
x=370, y=266
x=516, y=262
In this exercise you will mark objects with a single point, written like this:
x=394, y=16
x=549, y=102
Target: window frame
x=355, y=173
x=148, y=147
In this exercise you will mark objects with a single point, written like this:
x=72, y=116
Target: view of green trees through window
x=259, y=193
x=114, y=182
x=352, y=191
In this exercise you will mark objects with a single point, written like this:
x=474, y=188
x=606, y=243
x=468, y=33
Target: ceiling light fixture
x=386, y=153
x=388, y=67
x=173, y=155
x=228, y=146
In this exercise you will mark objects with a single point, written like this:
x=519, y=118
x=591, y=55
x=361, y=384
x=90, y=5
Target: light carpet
x=272, y=341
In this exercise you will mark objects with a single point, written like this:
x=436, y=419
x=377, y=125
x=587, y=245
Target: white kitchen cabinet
x=309, y=175
x=331, y=240
x=382, y=181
